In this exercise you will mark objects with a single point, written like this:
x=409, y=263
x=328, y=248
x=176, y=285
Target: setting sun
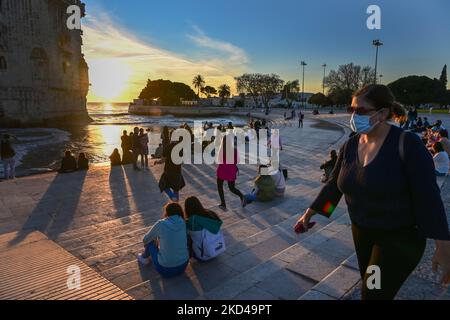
x=109, y=78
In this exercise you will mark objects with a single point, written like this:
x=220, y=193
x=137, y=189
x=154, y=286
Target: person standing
x=227, y=171
x=8, y=154
x=301, y=117
x=136, y=147
x=126, y=147
x=387, y=177
x=144, y=148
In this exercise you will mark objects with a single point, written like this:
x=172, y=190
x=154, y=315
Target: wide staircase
x=265, y=259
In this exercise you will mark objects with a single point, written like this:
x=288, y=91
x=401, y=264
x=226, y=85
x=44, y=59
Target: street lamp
x=323, y=82
x=377, y=44
x=303, y=64
x=381, y=77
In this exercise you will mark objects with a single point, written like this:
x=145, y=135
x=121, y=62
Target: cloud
x=235, y=55
x=119, y=60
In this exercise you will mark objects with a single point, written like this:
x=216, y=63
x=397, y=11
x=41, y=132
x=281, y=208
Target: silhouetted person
x=8, y=154
x=144, y=148
x=115, y=158
x=68, y=163
x=165, y=137
x=83, y=162
x=136, y=147
x=126, y=148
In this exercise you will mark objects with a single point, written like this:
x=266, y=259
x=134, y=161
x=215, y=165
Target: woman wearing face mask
x=388, y=180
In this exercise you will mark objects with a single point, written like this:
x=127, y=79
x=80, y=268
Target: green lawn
x=435, y=111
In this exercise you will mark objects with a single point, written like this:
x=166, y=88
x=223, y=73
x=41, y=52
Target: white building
x=43, y=73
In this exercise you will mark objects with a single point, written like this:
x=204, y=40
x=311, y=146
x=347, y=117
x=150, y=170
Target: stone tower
x=43, y=73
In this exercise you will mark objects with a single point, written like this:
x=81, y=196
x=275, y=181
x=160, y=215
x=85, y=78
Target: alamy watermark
x=374, y=20
x=234, y=146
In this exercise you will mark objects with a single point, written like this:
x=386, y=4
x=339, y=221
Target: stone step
x=262, y=275
x=248, y=253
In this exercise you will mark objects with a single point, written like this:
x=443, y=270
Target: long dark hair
x=193, y=206
x=380, y=96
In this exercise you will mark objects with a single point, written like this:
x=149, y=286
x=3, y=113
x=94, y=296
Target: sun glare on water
x=109, y=78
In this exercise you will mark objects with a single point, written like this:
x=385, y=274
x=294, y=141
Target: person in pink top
x=227, y=171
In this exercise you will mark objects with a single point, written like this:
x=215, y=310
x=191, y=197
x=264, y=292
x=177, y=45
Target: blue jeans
x=249, y=198
x=439, y=174
x=152, y=251
x=172, y=194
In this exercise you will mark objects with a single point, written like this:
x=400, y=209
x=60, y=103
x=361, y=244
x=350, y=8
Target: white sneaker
x=142, y=260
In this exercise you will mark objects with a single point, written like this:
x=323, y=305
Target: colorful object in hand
x=329, y=208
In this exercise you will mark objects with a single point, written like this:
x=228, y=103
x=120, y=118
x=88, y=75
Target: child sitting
x=115, y=158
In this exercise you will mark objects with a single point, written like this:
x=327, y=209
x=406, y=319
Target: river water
x=40, y=149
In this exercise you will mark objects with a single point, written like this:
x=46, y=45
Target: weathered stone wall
x=43, y=74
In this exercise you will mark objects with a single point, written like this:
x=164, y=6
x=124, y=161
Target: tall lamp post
x=377, y=44
x=381, y=78
x=303, y=64
x=323, y=81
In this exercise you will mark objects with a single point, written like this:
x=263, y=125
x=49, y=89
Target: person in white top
x=443, y=138
x=280, y=183
x=441, y=160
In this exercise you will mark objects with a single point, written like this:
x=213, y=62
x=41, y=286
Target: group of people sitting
x=70, y=164
x=436, y=140
x=182, y=234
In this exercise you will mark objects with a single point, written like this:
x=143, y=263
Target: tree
x=290, y=92
x=349, y=77
x=260, y=85
x=416, y=90
x=170, y=93
x=198, y=83
x=320, y=99
x=248, y=84
x=341, y=97
x=443, y=77
x=209, y=91
x=224, y=93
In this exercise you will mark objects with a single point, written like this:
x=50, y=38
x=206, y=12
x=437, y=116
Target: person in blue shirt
x=166, y=243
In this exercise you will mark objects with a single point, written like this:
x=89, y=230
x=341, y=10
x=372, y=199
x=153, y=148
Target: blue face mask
x=361, y=124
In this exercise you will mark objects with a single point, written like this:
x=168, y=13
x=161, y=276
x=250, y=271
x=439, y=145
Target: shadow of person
x=56, y=209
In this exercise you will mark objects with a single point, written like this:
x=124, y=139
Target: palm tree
x=224, y=92
x=198, y=83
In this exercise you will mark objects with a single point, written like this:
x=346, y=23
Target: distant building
x=43, y=73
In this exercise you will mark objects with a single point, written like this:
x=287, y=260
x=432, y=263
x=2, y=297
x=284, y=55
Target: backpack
x=206, y=245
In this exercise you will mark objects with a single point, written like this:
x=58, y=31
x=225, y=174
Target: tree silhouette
x=443, y=77
x=198, y=83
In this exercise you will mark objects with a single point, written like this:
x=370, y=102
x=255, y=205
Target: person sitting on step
x=166, y=243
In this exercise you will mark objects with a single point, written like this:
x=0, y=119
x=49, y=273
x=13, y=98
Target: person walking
x=388, y=179
x=171, y=181
x=8, y=154
x=227, y=170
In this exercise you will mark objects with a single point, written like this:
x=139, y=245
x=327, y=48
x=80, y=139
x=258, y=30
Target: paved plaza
x=99, y=218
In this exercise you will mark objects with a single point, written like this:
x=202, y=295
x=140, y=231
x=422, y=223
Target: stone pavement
x=100, y=217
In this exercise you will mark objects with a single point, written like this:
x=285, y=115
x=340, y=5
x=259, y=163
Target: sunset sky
x=127, y=42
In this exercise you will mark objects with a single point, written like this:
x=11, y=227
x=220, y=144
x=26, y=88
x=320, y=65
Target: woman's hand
x=441, y=259
x=305, y=218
